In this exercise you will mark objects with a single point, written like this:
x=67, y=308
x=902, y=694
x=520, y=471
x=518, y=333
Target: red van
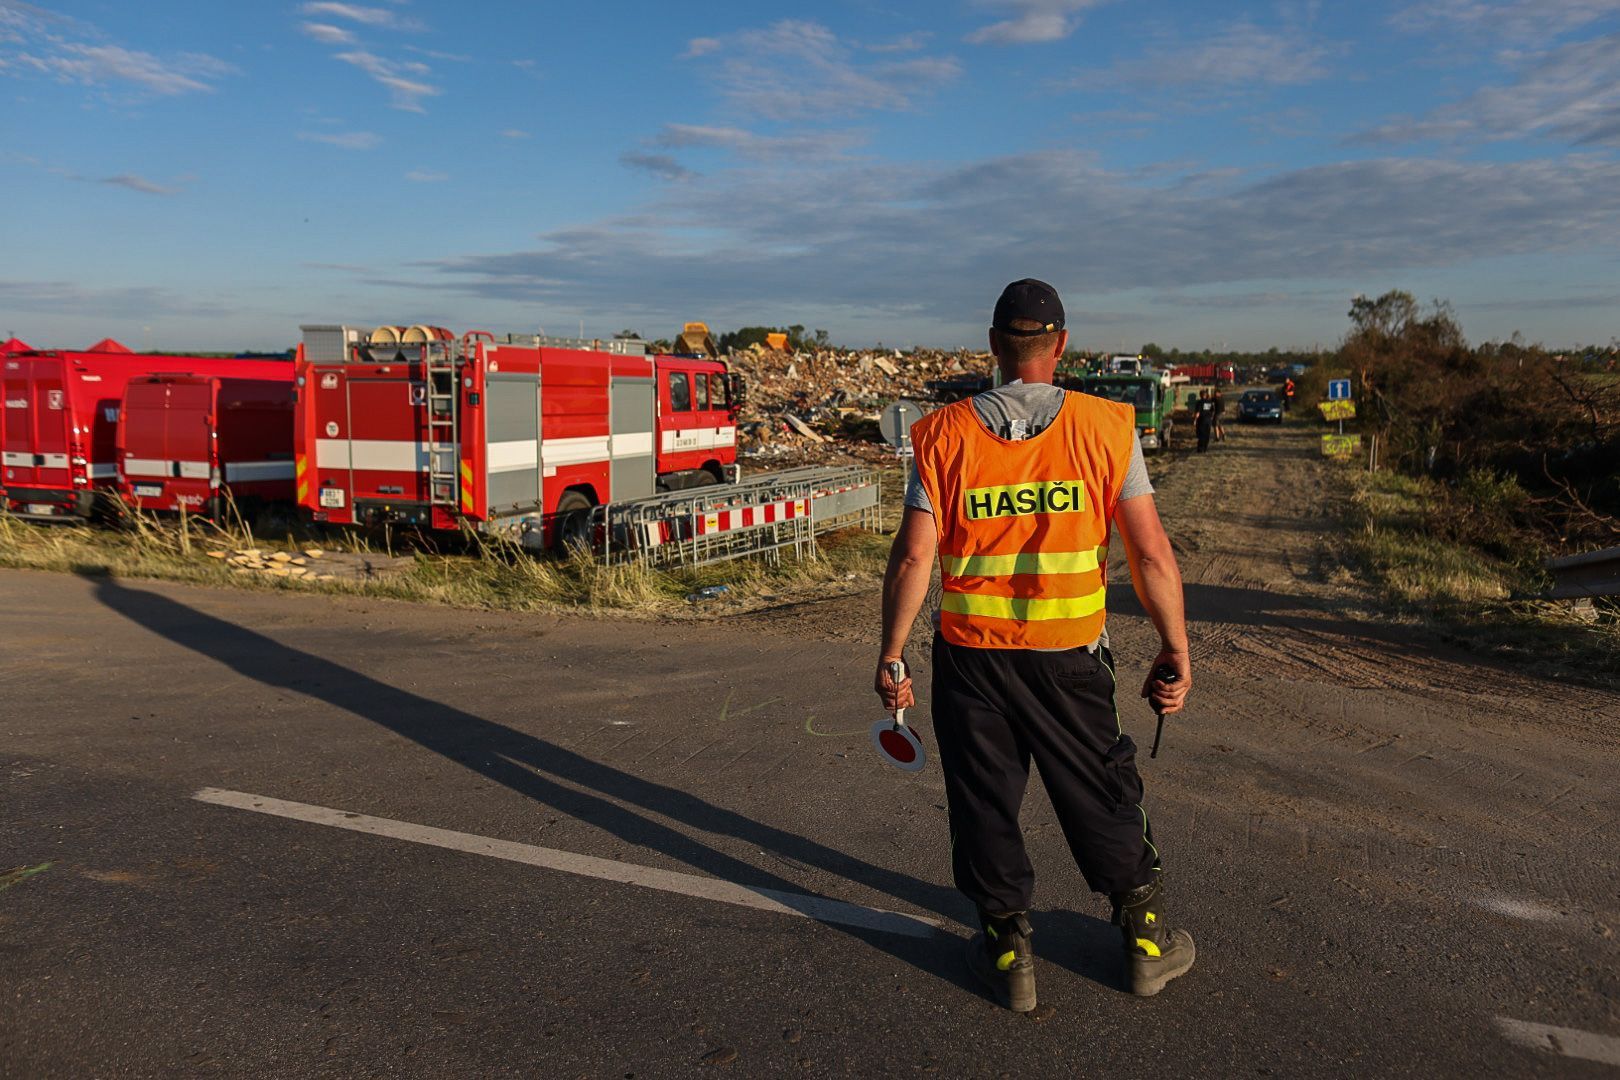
x=193, y=441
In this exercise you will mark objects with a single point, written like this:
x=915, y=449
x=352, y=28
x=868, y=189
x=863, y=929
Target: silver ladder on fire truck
x=765, y=515
x=443, y=428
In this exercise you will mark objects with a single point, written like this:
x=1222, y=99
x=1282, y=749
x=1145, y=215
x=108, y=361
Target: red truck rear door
x=37, y=424
x=142, y=444
x=387, y=414
x=188, y=435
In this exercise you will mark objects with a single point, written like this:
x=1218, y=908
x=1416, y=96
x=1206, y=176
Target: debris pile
x=822, y=406
x=281, y=564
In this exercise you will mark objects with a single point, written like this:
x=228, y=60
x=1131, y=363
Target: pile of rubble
x=822, y=406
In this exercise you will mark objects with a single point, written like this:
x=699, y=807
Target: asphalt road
x=1396, y=860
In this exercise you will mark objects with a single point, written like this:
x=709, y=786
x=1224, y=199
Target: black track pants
x=994, y=710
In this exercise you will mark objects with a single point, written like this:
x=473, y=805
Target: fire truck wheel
x=573, y=530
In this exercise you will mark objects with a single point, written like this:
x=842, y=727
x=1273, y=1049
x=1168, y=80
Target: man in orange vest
x=1015, y=490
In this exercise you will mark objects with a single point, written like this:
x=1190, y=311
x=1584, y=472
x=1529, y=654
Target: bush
x=1525, y=440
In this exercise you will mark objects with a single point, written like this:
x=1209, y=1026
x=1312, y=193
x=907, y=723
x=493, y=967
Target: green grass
x=486, y=574
x=1397, y=539
x=1452, y=559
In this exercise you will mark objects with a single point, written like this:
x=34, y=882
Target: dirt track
x=1417, y=768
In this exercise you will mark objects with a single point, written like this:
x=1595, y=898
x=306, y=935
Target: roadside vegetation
x=1490, y=460
x=471, y=572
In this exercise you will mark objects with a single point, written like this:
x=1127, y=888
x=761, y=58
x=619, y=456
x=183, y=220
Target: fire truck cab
x=697, y=422
x=522, y=435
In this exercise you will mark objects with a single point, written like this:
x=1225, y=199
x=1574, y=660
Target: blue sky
x=207, y=175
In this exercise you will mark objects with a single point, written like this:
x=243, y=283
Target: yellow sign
x=1340, y=445
x=1039, y=497
x=1337, y=410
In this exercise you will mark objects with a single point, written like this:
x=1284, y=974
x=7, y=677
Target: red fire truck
x=192, y=440
x=523, y=435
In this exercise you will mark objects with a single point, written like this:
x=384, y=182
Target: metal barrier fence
x=1592, y=574
x=760, y=515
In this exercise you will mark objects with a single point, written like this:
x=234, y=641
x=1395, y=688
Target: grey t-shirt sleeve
x=916, y=494
x=1136, y=474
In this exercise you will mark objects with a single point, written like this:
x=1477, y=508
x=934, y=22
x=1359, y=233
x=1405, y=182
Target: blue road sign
x=1338, y=389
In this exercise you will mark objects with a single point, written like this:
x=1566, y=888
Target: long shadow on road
x=539, y=769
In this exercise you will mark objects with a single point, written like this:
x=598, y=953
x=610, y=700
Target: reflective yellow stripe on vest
x=1023, y=608
x=1023, y=562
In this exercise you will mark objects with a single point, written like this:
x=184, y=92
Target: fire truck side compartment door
x=634, y=439
x=512, y=430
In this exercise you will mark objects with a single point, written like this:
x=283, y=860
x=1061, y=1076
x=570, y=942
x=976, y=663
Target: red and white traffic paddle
x=895, y=742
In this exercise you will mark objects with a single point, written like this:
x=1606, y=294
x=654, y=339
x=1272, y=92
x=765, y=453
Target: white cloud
x=1241, y=55
x=1032, y=21
x=436, y=54
x=923, y=245
x=793, y=70
x=137, y=302
x=912, y=42
x=366, y=16
x=701, y=46
x=403, y=78
x=139, y=183
x=426, y=176
x=327, y=34
x=105, y=65
x=131, y=181
x=347, y=140
x=660, y=165
x=1570, y=93
x=1531, y=22
x=808, y=146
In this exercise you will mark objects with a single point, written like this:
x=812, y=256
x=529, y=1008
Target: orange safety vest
x=1023, y=526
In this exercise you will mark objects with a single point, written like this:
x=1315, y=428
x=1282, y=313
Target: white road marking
x=1528, y=910
x=786, y=903
x=1570, y=1042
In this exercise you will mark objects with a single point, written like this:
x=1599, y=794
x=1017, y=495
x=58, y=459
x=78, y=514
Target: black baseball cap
x=1028, y=299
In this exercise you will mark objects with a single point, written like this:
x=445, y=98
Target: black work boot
x=1001, y=958
x=1154, y=953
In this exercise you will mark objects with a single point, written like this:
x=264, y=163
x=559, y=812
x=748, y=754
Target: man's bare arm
x=1157, y=581
x=905, y=589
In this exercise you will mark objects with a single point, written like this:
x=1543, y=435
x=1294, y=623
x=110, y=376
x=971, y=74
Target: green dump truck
x=1149, y=393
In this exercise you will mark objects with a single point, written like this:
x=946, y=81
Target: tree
x=744, y=337
x=1151, y=351
x=1385, y=316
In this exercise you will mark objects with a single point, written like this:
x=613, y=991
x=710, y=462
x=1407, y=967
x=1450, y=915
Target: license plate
x=41, y=508
x=149, y=491
x=332, y=497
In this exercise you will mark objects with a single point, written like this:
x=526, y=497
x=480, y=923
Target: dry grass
x=1455, y=562
x=482, y=573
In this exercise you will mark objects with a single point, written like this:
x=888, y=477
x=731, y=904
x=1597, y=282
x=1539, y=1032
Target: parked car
x=1258, y=406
